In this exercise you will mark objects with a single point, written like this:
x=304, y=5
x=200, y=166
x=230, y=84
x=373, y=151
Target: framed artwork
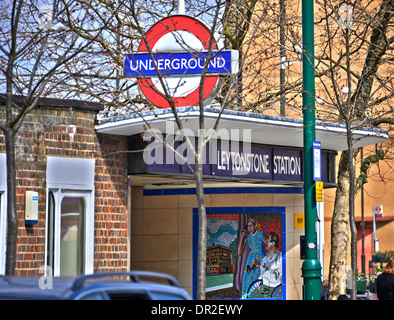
x=245, y=253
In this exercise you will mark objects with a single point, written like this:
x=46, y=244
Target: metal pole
x=375, y=239
x=362, y=223
x=311, y=268
x=282, y=54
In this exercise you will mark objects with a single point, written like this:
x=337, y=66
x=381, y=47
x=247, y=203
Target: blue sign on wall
x=316, y=161
x=253, y=162
x=227, y=159
x=180, y=63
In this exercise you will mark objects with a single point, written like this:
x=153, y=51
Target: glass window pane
x=72, y=226
x=94, y=296
x=157, y=295
x=51, y=230
x=125, y=295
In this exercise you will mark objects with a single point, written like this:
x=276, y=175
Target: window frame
x=3, y=230
x=55, y=218
x=66, y=176
x=3, y=212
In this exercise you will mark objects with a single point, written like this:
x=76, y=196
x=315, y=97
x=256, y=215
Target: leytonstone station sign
x=174, y=53
x=224, y=160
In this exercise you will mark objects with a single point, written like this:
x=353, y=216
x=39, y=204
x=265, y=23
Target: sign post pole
x=311, y=268
x=377, y=213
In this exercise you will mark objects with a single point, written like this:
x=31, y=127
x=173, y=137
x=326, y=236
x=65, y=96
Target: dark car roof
x=51, y=288
x=33, y=288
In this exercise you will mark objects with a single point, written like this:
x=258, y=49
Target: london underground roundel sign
x=169, y=63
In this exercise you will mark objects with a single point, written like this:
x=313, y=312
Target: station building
x=163, y=211
x=102, y=206
x=79, y=184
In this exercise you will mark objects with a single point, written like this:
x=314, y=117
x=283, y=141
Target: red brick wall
x=111, y=204
x=48, y=131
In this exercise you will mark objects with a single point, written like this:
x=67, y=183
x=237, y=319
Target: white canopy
x=267, y=130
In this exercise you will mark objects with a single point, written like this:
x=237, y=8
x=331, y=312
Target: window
x=126, y=295
x=67, y=236
x=157, y=295
x=70, y=216
x=94, y=296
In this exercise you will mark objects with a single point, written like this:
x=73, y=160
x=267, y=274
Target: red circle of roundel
x=176, y=23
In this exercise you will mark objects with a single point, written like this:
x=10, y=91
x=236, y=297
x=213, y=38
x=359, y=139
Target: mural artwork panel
x=244, y=256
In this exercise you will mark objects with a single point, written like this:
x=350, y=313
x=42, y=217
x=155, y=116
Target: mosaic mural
x=244, y=256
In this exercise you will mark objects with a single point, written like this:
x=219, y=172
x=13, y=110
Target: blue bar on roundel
x=180, y=63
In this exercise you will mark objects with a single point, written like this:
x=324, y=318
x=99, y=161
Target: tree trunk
x=340, y=231
x=353, y=227
x=202, y=234
x=12, y=218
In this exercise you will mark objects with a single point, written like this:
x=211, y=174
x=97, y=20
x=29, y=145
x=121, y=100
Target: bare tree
x=217, y=20
x=35, y=46
x=355, y=91
x=354, y=43
x=126, y=32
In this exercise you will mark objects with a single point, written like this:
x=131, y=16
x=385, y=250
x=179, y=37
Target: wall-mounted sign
x=180, y=64
x=224, y=159
x=316, y=160
x=176, y=48
x=319, y=191
x=299, y=221
x=254, y=163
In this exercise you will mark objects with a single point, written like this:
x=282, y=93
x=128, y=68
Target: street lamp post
x=311, y=268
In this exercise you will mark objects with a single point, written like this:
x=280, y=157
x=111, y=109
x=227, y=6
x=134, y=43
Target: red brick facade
x=68, y=131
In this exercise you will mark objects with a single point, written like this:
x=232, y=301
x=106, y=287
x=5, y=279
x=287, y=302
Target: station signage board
x=378, y=211
x=179, y=63
x=171, y=58
x=228, y=160
x=316, y=161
